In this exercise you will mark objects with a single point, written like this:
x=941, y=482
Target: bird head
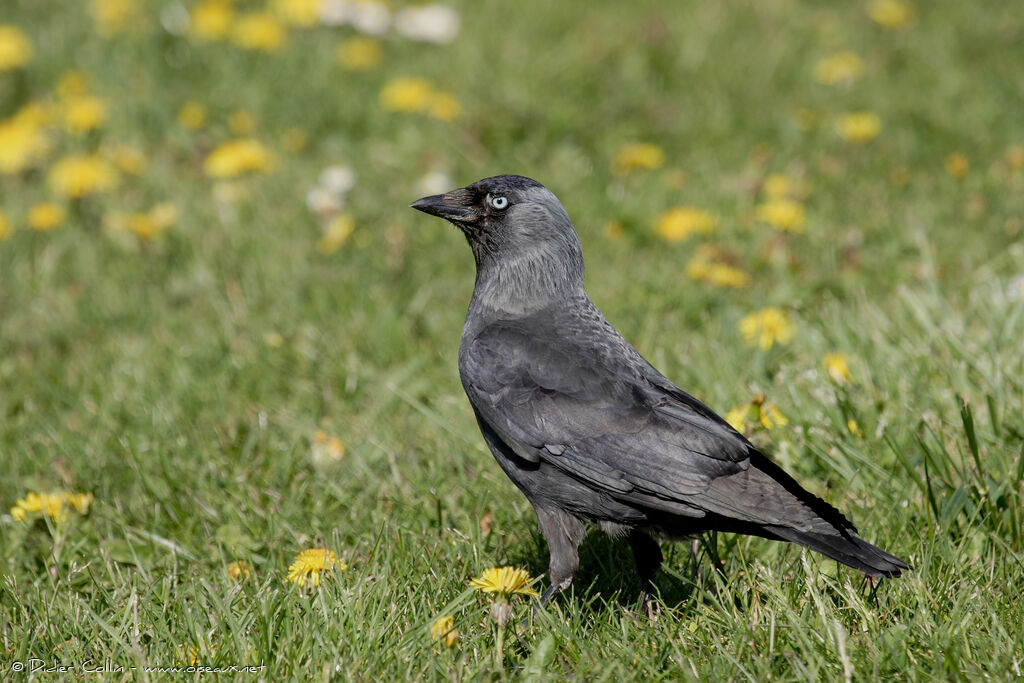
x=510, y=219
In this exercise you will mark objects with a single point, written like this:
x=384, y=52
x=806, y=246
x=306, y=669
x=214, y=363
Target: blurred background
x=221, y=325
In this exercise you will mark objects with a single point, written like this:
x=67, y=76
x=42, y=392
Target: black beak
x=453, y=206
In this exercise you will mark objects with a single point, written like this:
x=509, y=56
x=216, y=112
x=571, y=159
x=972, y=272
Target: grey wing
x=599, y=416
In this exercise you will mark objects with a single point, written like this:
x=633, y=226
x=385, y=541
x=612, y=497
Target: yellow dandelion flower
x=148, y=225
x=46, y=216
x=242, y=122
x=84, y=113
x=335, y=448
x=359, y=53
x=637, y=156
x=892, y=14
x=958, y=166
x=211, y=19
x=780, y=185
x=35, y=113
x=79, y=176
x=842, y=67
x=310, y=564
x=112, y=16
x=723, y=274
x=719, y=274
x=771, y=417
x=164, y=214
x=838, y=367
x=767, y=327
x=326, y=449
x=504, y=582
x=295, y=140
x=128, y=160
x=50, y=505
x=43, y=504
x=192, y=115
x=142, y=225
x=235, y=157
x=259, y=31
x=339, y=229
x=297, y=12
x=859, y=127
x=782, y=213
x=15, y=48
x=680, y=223
x=23, y=141
x=238, y=570
x=190, y=653
x=407, y=95
x=443, y=630
x=776, y=185
x=737, y=417
x=80, y=502
x=444, y=106
x=5, y=227
x=854, y=428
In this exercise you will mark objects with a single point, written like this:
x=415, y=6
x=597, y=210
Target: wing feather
x=610, y=424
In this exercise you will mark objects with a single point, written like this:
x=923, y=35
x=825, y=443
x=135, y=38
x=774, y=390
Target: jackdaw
x=588, y=429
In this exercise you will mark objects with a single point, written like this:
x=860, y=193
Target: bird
x=587, y=428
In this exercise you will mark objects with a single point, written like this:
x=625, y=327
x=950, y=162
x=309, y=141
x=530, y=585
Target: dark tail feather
x=847, y=549
x=842, y=545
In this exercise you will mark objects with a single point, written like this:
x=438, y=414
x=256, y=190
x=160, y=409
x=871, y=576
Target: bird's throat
x=527, y=281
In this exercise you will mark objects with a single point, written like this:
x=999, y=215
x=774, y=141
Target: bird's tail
x=846, y=548
x=765, y=501
x=838, y=542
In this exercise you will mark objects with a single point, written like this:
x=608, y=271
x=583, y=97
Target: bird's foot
x=649, y=605
x=538, y=607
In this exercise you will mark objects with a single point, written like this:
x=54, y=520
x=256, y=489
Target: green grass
x=139, y=370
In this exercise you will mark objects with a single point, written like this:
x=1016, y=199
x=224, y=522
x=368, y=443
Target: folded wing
x=585, y=411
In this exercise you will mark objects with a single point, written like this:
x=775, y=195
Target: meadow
x=225, y=339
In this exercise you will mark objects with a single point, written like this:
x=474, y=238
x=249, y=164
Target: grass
x=139, y=370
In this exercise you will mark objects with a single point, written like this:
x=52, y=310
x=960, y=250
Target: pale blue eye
x=499, y=202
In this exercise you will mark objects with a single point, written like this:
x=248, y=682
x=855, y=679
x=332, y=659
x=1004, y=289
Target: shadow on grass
x=607, y=574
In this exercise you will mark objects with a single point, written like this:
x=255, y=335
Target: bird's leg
x=549, y=593
x=648, y=557
x=564, y=533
